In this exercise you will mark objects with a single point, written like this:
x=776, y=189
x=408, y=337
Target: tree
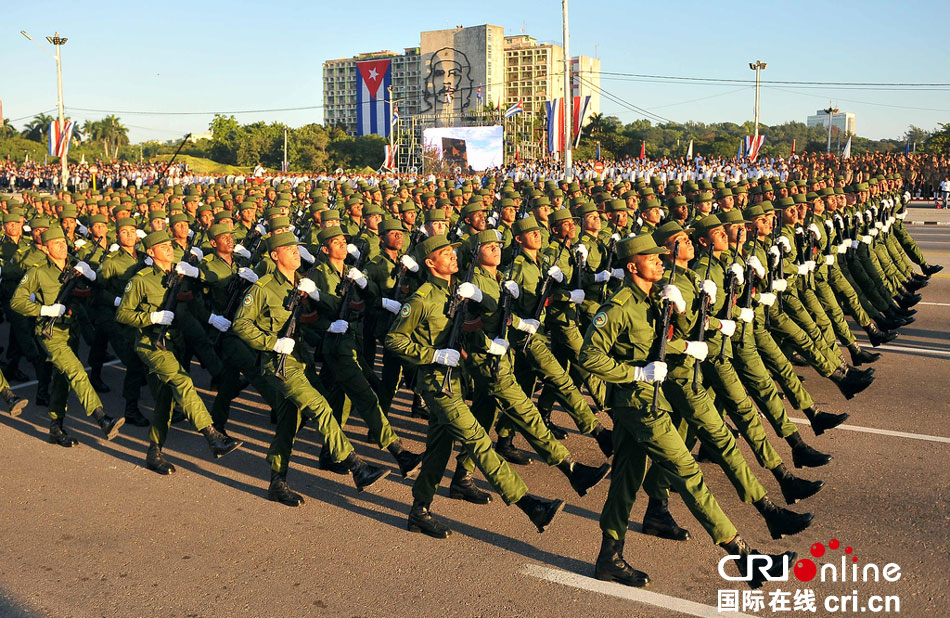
x=939, y=140
x=915, y=134
x=7, y=129
x=38, y=128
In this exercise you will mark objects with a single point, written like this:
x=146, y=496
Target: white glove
x=528, y=326
x=577, y=296
x=866, y=240
x=117, y=301
x=220, y=322
x=498, y=346
x=247, y=274
x=873, y=232
x=602, y=276
x=242, y=251
x=901, y=215
x=746, y=315
x=829, y=260
x=512, y=289
x=802, y=269
x=779, y=285
x=859, y=215
x=615, y=237
x=906, y=196
x=767, y=299
x=447, y=357
x=469, y=290
x=84, y=269
x=308, y=287
x=492, y=221
x=697, y=349
x=799, y=230
x=191, y=234
x=357, y=277
x=709, y=287
x=653, y=372
x=80, y=243
x=843, y=247
x=82, y=230
x=581, y=252
x=410, y=264
x=756, y=265
x=390, y=305
x=260, y=229
x=776, y=254
x=149, y=261
x=53, y=311
x=113, y=247
x=305, y=254
x=674, y=296
x=285, y=345
x=810, y=265
x=829, y=224
x=840, y=220
x=353, y=251
x=556, y=273
x=783, y=240
x=162, y=317
x=198, y=253
x=141, y=234
x=186, y=270
x=738, y=273
x=338, y=327
x=814, y=230
x=727, y=327
x=616, y=273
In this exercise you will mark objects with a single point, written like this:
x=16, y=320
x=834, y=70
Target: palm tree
x=113, y=134
x=7, y=129
x=38, y=128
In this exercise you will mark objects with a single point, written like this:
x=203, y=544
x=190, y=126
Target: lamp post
x=57, y=42
x=831, y=111
x=758, y=66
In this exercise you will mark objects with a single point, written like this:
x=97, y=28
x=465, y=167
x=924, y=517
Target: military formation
x=665, y=319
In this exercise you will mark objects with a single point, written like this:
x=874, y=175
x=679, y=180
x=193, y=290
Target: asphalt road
x=90, y=532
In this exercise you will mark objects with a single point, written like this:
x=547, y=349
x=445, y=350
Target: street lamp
x=758, y=66
x=831, y=111
x=57, y=42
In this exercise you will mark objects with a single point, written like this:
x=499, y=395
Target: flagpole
x=58, y=42
x=568, y=96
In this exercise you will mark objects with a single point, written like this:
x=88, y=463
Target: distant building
x=843, y=121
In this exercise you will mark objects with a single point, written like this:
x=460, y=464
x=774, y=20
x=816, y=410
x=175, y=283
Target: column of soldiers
x=655, y=315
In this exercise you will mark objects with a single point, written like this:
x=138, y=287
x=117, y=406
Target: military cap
x=329, y=215
x=729, y=217
x=178, y=218
x=488, y=236
x=615, y=205
x=561, y=214
x=507, y=203
x=641, y=244
x=471, y=208
x=585, y=208
x=766, y=206
x=353, y=201
x=96, y=219
x=676, y=200
x=389, y=225
x=668, y=230
x=221, y=215
x=541, y=201
x=52, y=233
x=702, y=197
x=280, y=239
x=278, y=222
x=435, y=214
x=756, y=210
x=373, y=209
x=786, y=202
x=203, y=208
x=156, y=238
x=651, y=203
x=125, y=222
x=430, y=245
x=723, y=193
x=528, y=224
x=709, y=222
x=798, y=198
x=68, y=212
x=219, y=228
x=329, y=232
x=156, y=214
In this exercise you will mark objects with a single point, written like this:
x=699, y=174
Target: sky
x=137, y=59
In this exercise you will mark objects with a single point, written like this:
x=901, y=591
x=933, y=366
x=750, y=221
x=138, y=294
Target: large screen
x=470, y=148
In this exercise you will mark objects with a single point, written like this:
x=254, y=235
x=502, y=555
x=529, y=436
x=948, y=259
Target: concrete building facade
x=843, y=121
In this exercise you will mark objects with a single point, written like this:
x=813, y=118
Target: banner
x=373, y=79
x=60, y=137
x=469, y=148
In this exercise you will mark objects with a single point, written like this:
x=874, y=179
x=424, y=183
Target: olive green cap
x=389, y=225
x=488, y=236
x=528, y=224
x=125, y=222
x=156, y=238
x=709, y=222
x=668, y=230
x=329, y=232
x=219, y=228
x=641, y=244
x=52, y=233
x=430, y=245
x=281, y=239
x=561, y=214
x=435, y=214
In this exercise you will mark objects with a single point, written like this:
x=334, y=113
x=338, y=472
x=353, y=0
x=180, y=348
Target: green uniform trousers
x=783, y=372
x=908, y=243
x=566, y=342
x=761, y=387
x=239, y=360
x=861, y=311
x=789, y=330
x=639, y=434
x=450, y=420
x=68, y=372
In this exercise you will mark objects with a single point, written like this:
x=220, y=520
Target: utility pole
x=758, y=66
x=568, y=97
x=57, y=42
x=285, y=151
x=831, y=111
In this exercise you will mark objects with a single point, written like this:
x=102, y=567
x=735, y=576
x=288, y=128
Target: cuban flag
x=752, y=146
x=390, y=151
x=555, y=125
x=60, y=137
x=373, y=79
x=515, y=109
x=580, y=111
x=478, y=95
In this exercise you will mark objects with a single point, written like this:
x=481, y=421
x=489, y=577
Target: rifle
x=731, y=297
x=456, y=315
x=173, y=283
x=505, y=318
x=611, y=252
x=781, y=256
x=809, y=246
x=164, y=171
x=543, y=296
x=345, y=289
x=294, y=304
x=68, y=279
x=667, y=316
x=703, y=316
x=747, y=301
x=236, y=289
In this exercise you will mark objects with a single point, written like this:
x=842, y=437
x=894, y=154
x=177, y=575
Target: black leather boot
x=407, y=461
x=804, y=456
x=463, y=488
x=782, y=522
x=14, y=404
x=738, y=547
x=860, y=357
x=658, y=521
x=822, y=421
x=797, y=359
x=220, y=444
x=363, y=473
x=58, y=435
x=611, y=567
x=912, y=285
x=605, y=440
x=794, y=488
x=931, y=269
x=540, y=511
x=583, y=477
x=133, y=416
x=419, y=408
x=109, y=426
x=877, y=336
x=280, y=491
x=325, y=462
x=848, y=386
x=421, y=520
x=557, y=432
x=860, y=374
x=505, y=448
x=155, y=461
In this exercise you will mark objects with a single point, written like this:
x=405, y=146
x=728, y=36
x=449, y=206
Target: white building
x=843, y=121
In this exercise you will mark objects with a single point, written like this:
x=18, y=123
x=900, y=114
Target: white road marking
x=619, y=591
x=903, y=348
x=883, y=432
x=32, y=382
x=934, y=304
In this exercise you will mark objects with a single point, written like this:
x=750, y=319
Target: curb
x=927, y=222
